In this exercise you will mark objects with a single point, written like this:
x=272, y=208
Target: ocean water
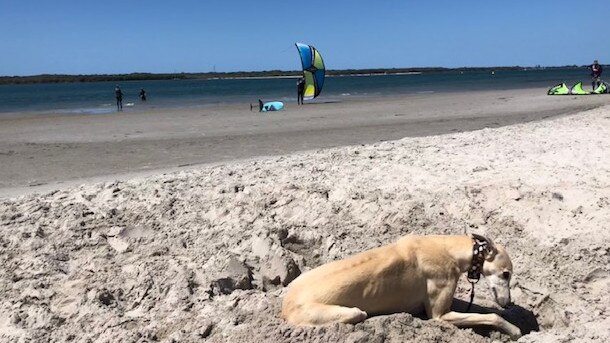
x=98, y=97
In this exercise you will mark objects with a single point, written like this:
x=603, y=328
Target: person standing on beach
x=596, y=74
x=300, y=90
x=142, y=94
x=119, y=98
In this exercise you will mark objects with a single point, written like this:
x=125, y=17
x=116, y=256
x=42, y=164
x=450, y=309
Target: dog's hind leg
x=321, y=314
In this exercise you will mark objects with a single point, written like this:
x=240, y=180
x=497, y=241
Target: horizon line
x=291, y=71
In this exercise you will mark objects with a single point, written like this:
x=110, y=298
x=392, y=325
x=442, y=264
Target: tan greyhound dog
x=414, y=274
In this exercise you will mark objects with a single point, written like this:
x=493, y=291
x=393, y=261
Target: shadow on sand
x=523, y=318
x=323, y=102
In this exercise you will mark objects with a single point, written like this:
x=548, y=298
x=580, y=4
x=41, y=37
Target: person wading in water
x=119, y=98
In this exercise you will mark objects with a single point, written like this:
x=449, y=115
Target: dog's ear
x=491, y=247
x=492, y=251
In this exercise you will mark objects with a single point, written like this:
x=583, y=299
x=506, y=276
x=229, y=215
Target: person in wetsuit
x=119, y=98
x=596, y=74
x=142, y=94
x=300, y=90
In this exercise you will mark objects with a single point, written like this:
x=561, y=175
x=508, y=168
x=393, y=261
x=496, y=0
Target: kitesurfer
x=119, y=98
x=300, y=90
x=142, y=94
x=596, y=74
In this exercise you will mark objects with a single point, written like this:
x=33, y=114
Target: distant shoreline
x=296, y=76
x=66, y=78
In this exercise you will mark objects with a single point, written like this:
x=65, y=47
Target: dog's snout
x=502, y=299
x=508, y=302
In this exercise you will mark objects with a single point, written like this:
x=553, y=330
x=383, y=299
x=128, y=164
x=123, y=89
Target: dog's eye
x=506, y=275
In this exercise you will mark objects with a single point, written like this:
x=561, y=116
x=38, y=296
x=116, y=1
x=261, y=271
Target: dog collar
x=480, y=248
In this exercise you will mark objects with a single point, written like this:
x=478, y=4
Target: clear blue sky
x=86, y=36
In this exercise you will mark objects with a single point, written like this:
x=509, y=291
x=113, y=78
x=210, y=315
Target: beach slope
x=207, y=253
x=46, y=152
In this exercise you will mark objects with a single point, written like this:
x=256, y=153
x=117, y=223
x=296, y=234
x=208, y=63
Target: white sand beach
x=204, y=253
x=46, y=152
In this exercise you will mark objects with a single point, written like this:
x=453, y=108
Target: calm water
x=98, y=97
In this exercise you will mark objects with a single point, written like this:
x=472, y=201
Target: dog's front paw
x=514, y=332
x=358, y=315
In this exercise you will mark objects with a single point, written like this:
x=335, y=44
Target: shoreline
x=107, y=106
x=36, y=153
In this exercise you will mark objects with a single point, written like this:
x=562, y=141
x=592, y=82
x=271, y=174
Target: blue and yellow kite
x=313, y=70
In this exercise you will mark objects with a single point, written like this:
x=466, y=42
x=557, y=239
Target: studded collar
x=480, y=249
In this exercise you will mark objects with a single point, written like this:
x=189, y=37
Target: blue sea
x=98, y=97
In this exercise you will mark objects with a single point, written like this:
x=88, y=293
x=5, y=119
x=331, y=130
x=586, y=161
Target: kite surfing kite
x=562, y=89
x=313, y=70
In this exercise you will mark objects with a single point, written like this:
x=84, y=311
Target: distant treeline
x=61, y=78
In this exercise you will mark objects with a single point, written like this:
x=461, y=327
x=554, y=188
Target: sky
x=110, y=37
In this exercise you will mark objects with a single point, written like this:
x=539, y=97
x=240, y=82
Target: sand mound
x=207, y=253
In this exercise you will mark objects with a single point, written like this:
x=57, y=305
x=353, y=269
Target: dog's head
x=498, y=270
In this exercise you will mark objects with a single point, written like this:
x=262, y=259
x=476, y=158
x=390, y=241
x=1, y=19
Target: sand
x=58, y=148
x=204, y=254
